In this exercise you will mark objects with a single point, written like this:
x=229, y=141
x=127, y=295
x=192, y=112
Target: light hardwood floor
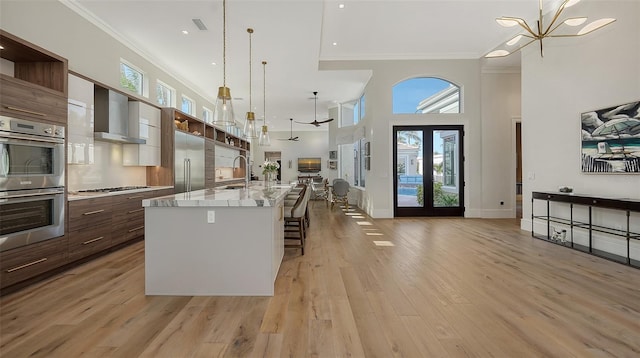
x=446, y=288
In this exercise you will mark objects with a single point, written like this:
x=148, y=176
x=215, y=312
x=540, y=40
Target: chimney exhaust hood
x=111, y=117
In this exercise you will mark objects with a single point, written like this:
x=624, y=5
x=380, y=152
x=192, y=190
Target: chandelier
x=540, y=31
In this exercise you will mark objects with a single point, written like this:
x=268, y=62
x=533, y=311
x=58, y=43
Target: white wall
x=500, y=107
x=576, y=75
x=310, y=144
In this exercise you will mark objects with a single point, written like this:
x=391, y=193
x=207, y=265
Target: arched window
x=426, y=95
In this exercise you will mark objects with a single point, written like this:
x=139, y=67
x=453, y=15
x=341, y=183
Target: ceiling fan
x=291, y=137
x=315, y=113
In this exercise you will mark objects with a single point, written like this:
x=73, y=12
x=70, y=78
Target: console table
x=592, y=202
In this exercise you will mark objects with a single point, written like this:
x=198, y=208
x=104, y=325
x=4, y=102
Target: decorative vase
x=269, y=179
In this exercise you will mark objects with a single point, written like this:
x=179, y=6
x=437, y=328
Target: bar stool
x=295, y=219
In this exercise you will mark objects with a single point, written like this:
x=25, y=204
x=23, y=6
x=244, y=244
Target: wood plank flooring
x=445, y=288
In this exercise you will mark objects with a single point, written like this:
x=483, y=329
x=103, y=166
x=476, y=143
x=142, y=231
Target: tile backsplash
x=105, y=171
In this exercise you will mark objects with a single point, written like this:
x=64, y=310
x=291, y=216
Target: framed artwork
x=611, y=140
x=332, y=164
x=366, y=149
x=333, y=154
x=367, y=163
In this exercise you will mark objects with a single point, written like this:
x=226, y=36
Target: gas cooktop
x=109, y=190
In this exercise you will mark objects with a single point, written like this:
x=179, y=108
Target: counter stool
x=295, y=218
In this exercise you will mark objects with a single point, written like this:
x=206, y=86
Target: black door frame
x=428, y=209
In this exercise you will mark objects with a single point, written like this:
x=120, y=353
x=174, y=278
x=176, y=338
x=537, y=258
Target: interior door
x=428, y=166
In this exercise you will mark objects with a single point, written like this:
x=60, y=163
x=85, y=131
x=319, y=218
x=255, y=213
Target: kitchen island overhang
x=215, y=242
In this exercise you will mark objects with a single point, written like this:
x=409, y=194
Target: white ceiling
x=293, y=36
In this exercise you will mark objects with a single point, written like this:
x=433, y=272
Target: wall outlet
x=211, y=216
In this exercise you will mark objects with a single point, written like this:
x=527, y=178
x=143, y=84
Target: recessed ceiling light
x=335, y=44
x=341, y=6
x=213, y=63
x=185, y=32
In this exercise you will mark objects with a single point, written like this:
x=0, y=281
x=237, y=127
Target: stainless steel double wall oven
x=32, y=204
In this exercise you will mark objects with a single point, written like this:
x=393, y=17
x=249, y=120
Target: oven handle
x=4, y=161
x=9, y=136
x=30, y=195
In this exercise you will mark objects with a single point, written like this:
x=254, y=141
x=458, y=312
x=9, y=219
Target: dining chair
x=340, y=193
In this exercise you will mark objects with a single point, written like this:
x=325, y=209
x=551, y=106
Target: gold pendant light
x=264, y=140
x=223, y=110
x=250, y=122
x=540, y=32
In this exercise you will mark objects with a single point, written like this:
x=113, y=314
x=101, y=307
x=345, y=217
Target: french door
x=428, y=166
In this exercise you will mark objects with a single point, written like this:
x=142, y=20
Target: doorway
x=428, y=170
x=518, y=145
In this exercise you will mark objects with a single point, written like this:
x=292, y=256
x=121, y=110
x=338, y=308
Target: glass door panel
x=409, y=168
x=446, y=188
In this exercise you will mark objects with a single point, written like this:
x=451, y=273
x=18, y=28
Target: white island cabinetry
x=214, y=242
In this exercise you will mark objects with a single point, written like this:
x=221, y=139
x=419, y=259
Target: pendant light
x=264, y=140
x=223, y=110
x=250, y=122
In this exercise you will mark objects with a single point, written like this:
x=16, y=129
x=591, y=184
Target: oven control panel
x=22, y=126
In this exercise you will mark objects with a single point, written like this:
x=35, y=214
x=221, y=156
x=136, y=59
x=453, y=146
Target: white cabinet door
x=80, y=147
x=144, y=123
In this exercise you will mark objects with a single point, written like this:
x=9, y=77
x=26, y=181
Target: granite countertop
x=73, y=195
x=256, y=196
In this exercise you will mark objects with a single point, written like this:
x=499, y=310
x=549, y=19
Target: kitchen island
x=215, y=242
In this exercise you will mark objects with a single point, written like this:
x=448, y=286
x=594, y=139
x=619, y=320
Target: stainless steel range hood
x=111, y=117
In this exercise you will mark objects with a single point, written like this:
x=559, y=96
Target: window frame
x=439, y=101
x=170, y=90
x=357, y=112
x=142, y=91
x=192, y=110
x=206, y=111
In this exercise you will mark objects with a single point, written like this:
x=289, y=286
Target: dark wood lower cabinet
x=28, y=261
x=95, y=225
x=89, y=226
x=127, y=219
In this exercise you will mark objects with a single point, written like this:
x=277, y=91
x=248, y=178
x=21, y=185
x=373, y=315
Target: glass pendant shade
x=249, y=130
x=223, y=110
x=264, y=140
x=250, y=126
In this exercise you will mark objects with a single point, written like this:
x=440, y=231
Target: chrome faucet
x=246, y=167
